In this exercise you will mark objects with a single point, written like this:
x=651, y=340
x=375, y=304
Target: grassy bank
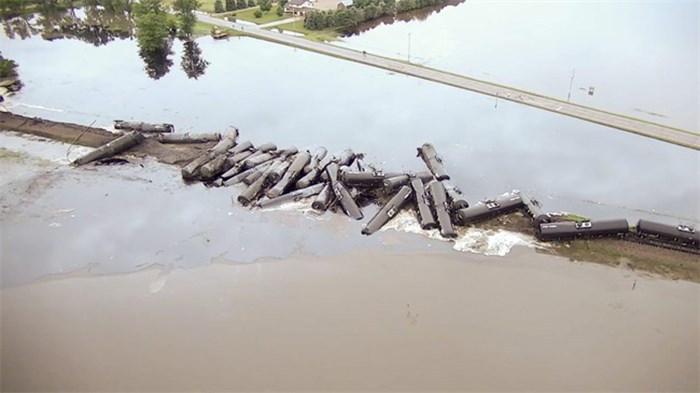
x=248, y=14
x=314, y=35
x=613, y=252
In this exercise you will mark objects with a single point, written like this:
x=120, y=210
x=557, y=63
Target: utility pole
x=409, y=47
x=571, y=84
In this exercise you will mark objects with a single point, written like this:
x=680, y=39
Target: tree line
x=235, y=5
x=361, y=11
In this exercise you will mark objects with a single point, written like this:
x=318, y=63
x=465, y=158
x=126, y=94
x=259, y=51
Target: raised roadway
x=653, y=130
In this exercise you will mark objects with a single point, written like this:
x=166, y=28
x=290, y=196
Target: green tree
x=219, y=7
x=257, y=14
x=184, y=10
x=389, y=7
x=317, y=20
x=230, y=5
x=371, y=11
x=10, y=8
x=241, y=4
x=265, y=5
x=146, y=6
x=280, y=10
x=151, y=26
x=251, y=3
x=346, y=18
x=406, y=5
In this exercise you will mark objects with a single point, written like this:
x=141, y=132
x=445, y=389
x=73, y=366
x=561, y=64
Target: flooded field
x=624, y=50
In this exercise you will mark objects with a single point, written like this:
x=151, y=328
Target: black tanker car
x=587, y=229
x=683, y=235
x=488, y=209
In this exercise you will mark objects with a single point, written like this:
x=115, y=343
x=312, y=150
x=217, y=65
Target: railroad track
x=635, y=238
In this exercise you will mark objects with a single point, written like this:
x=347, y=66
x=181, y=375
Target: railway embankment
x=617, y=249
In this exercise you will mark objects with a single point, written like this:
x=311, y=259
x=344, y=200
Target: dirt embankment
x=610, y=251
x=77, y=134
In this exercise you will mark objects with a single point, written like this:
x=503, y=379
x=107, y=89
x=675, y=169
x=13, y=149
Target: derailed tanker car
x=489, y=209
x=680, y=235
x=339, y=181
x=143, y=127
x=568, y=230
x=533, y=208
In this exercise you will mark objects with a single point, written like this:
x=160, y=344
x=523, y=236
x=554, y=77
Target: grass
x=613, y=252
x=573, y=217
x=208, y=5
x=314, y=35
x=6, y=154
x=247, y=14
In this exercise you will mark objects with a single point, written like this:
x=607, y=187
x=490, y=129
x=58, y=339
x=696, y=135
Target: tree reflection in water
x=192, y=62
x=158, y=62
x=99, y=23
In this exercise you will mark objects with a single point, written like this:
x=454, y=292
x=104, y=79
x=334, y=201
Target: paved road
x=637, y=126
x=281, y=22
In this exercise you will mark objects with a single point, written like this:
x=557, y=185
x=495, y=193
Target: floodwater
x=366, y=321
x=641, y=57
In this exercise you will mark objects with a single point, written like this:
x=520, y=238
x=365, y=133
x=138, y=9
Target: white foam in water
x=490, y=242
x=294, y=205
x=303, y=206
x=407, y=222
x=481, y=241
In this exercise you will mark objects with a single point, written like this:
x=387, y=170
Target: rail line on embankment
x=625, y=123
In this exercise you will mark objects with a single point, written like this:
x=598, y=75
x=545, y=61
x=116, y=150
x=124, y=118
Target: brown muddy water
x=361, y=321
